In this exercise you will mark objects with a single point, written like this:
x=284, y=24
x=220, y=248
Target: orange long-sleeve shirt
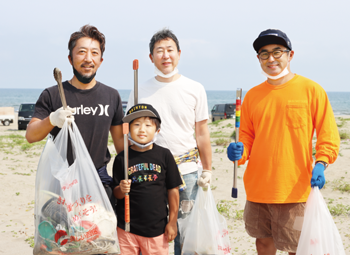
x=277, y=127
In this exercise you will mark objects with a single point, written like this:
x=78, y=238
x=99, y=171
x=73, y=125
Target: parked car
x=25, y=113
x=125, y=104
x=7, y=115
x=223, y=111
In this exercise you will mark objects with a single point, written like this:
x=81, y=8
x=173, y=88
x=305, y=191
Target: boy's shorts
x=281, y=222
x=131, y=244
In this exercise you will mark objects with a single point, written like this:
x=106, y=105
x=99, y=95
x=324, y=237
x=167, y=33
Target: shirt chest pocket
x=297, y=115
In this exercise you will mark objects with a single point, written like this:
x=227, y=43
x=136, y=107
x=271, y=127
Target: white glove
x=204, y=179
x=58, y=117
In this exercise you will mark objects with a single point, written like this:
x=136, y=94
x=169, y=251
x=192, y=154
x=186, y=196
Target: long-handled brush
x=238, y=121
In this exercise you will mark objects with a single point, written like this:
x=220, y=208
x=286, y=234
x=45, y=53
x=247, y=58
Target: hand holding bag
x=204, y=231
x=73, y=214
x=319, y=234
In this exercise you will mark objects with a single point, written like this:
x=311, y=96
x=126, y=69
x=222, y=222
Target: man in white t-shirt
x=182, y=105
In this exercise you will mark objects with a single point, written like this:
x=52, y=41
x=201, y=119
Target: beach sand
x=19, y=162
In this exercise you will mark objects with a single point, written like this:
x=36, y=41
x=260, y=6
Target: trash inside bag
x=73, y=214
x=319, y=234
x=204, y=231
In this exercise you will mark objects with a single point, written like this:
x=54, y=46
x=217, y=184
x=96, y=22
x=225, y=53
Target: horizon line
x=205, y=90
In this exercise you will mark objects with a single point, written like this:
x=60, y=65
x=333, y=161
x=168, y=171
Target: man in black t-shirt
x=153, y=182
x=96, y=108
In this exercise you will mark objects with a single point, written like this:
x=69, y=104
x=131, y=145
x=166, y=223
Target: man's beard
x=82, y=78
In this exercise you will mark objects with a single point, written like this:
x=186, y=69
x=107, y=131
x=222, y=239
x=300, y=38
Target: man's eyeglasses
x=276, y=54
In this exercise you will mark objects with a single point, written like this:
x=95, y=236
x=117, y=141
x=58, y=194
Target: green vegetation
x=217, y=134
x=9, y=142
x=344, y=135
x=219, y=151
x=220, y=133
x=342, y=122
x=226, y=209
x=215, y=123
x=326, y=185
x=30, y=205
x=110, y=140
x=222, y=141
x=30, y=241
x=239, y=214
x=233, y=135
x=341, y=185
x=339, y=209
x=27, y=146
x=22, y=174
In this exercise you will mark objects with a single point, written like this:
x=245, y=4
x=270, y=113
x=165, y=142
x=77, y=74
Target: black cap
x=141, y=110
x=271, y=36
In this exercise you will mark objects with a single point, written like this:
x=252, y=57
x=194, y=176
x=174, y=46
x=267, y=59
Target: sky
x=215, y=38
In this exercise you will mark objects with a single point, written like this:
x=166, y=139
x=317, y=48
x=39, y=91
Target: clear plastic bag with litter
x=73, y=214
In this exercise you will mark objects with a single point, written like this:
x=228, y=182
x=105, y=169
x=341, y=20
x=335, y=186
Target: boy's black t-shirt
x=97, y=109
x=152, y=173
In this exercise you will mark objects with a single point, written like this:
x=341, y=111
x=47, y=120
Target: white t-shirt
x=180, y=105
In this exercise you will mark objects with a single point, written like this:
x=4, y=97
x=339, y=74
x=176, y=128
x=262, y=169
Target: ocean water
x=340, y=101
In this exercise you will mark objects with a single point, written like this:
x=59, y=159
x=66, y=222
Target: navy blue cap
x=141, y=110
x=271, y=36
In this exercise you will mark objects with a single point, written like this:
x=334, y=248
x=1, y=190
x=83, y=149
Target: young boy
x=153, y=183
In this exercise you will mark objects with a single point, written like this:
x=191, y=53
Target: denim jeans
x=187, y=198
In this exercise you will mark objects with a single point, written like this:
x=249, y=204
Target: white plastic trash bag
x=73, y=214
x=204, y=231
x=319, y=234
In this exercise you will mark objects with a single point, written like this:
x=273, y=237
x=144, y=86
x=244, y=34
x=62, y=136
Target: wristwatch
x=323, y=163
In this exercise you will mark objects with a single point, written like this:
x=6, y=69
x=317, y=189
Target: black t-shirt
x=97, y=109
x=152, y=172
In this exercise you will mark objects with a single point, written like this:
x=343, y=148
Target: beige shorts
x=281, y=222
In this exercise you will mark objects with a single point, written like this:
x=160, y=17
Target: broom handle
x=237, y=124
x=126, y=174
x=135, y=66
x=58, y=77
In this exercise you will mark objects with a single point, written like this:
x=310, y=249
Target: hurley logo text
x=98, y=110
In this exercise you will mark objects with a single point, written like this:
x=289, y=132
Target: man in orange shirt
x=279, y=118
